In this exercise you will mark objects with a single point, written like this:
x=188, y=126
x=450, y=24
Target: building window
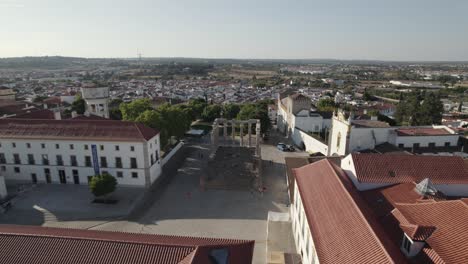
x=133, y=163
x=119, y=174
x=16, y=158
x=117, y=148
x=132, y=148
x=28, y=145
x=57, y=146
x=31, y=159
x=88, y=161
x=134, y=174
x=416, y=145
x=72, y=146
x=86, y=147
x=407, y=243
x=43, y=145
x=447, y=144
x=151, y=145
x=2, y=158
x=73, y=161
x=13, y=145
x=59, y=160
x=118, y=162
x=75, y=173
x=3, y=168
x=17, y=170
x=103, y=162
x=101, y=147
x=401, y=145
x=432, y=145
x=152, y=159
x=156, y=142
x=156, y=155
x=45, y=159
x=105, y=172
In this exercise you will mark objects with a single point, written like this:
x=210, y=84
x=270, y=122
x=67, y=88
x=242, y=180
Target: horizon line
x=246, y=58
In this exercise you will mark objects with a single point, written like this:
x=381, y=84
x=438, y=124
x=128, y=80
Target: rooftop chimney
x=57, y=115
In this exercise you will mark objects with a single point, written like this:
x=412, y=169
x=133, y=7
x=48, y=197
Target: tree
x=211, y=112
x=131, y=111
x=255, y=111
x=230, y=111
x=103, y=184
x=197, y=106
x=326, y=105
x=419, y=109
x=79, y=105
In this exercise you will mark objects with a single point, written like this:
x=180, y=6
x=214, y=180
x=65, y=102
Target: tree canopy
x=131, y=111
x=102, y=184
x=79, y=105
x=255, y=111
x=211, y=112
x=419, y=109
x=326, y=105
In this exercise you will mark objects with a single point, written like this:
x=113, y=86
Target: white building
x=392, y=204
x=349, y=135
x=371, y=171
x=97, y=100
x=69, y=151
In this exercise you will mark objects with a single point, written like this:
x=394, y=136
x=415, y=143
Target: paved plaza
x=182, y=208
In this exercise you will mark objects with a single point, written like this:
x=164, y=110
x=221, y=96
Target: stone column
x=242, y=134
x=233, y=132
x=225, y=137
x=215, y=134
x=257, y=143
x=250, y=134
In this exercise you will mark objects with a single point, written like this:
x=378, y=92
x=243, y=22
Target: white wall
x=453, y=189
x=308, y=123
x=338, y=128
x=424, y=141
x=311, y=144
x=142, y=152
x=301, y=231
x=367, y=138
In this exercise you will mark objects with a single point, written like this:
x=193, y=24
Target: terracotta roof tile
x=337, y=222
x=378, y=168
x=449, y=221
x=30, y=244
x=104, y=130
x=422, y=132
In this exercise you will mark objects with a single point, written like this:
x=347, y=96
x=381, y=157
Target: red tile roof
x=31, y=245
x=379, y=168
x=37, y=114
x=448, y=222
x=103, y=130
x=338, y=218
x=422, y=132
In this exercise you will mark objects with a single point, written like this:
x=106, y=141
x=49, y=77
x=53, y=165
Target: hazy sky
x=347, y=29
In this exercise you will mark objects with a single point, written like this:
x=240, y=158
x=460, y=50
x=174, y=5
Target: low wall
x=173, y=151
x=310, y=143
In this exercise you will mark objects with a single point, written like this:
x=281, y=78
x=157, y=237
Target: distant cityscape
x=181, y=160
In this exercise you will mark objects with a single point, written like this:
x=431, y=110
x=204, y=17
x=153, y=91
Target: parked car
x=282, y=147
x=290, y=147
